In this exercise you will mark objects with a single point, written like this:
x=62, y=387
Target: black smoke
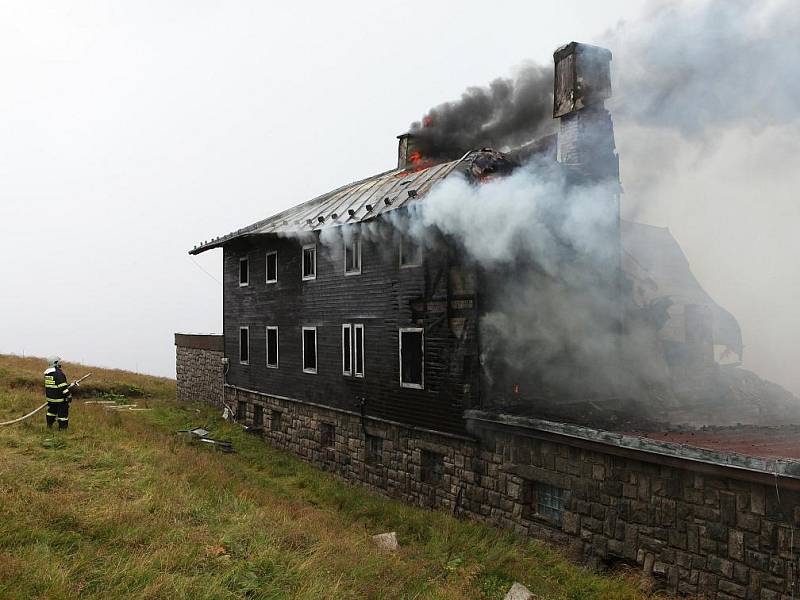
x=506, y=113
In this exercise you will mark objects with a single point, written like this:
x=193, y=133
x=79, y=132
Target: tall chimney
x=587, y=150
x=586, y=134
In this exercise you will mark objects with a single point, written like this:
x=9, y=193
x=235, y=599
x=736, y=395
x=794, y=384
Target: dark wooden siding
x=438, y=295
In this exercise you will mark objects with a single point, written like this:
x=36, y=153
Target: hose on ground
x=30, y=414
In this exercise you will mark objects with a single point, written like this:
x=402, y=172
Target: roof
x=353, y=203
x=752, y=440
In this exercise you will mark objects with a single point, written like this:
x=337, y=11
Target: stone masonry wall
x=200, y=374
x=696, y=534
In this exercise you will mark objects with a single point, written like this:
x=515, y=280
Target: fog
x=131, y=131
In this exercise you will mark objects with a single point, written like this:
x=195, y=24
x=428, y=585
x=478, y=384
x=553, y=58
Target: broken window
x=432, y=467
x=244, y=345
x=272, y=347
x=310, y=349
x=374, y=452
x=327, y=435
x=347, y=349
x=352, y=255
x=275, y=417
x=549, y=501
x=412, y=357
x=241, y=411
x=358, y=331
x=310, y=261
x=258, y=415
x=410, y=252
x=244, y=272
x=272, y=267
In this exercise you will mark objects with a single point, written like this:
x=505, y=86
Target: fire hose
x=33, y=412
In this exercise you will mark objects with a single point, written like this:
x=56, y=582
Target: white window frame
x=358, y=327
x=417, y=386
x=316, y=353
x=349, y=329
x=403, y=242
x=357, y=238
x=277, y=346
x=247, y=260
x=303, y=262
x=266, y=267
x=244, y=362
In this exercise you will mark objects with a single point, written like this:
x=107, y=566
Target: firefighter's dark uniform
x=58, y=395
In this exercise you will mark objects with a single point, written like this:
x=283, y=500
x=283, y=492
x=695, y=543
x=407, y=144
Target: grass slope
x=120, y=507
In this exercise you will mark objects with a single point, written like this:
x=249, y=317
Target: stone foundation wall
x=199, y=368
x=696, y=533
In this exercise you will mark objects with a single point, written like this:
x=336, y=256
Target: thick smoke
x=548, y=249
x=506, y=113
x=699, y=67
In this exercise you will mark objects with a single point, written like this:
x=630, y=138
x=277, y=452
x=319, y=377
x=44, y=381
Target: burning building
x=433, y=330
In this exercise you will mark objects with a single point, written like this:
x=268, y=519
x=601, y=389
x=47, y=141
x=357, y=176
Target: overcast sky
x=129, y=131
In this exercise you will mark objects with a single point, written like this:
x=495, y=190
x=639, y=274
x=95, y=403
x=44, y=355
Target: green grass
x=122, y=507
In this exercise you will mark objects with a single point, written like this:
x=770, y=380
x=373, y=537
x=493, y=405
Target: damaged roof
x=353, y=203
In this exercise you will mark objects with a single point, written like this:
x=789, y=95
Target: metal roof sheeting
x=366, y=199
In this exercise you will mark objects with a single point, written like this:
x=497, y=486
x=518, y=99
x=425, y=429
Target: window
x=244, y=272
x=272, y=267
x=272, y=347
x=410, y=252
x=309, y=262
x=432, y=467
x=352, y=255
x=327, y=435
x=412, y=357
x=353, y=349
x=275, y=420
x=358, y=330
x=258, y=415
x=347, y=349
x=241, y=411
x=309, y=349
x=374, y=453
x=549, y=501
x=244, y=345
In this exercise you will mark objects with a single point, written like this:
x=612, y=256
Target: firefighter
x=58, y=392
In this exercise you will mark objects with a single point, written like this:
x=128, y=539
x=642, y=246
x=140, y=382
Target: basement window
x=272, y=266
x=244, y=272
x=275, y=420
x=309, y=349
x=272, y=347
x=352, y=255
x=244, y=345
x=347, y=349
x=309, y=262
x=374, y=452
x=258, y=415
x=358, y=331
x=327, y=435
x=432, y=467
x=241, y=411
x=548, y=501
x=412, y=357
x=410, y=252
